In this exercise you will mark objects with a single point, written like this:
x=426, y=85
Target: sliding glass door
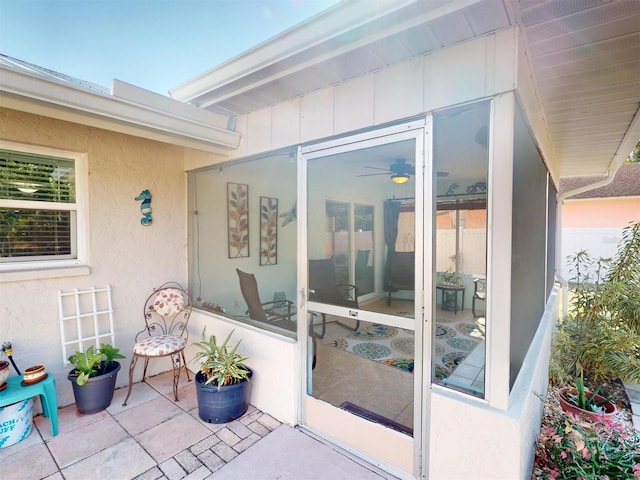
x=361, y=267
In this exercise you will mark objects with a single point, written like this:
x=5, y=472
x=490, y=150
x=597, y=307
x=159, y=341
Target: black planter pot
x=95, y=395
x=224, y=405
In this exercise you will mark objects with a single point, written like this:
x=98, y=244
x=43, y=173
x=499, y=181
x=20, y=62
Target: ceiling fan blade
x=377, y=168
x=373, y=174
x=442, y=174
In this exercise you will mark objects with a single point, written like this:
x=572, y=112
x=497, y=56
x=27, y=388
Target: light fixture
x=26, y=187
x=400, y=178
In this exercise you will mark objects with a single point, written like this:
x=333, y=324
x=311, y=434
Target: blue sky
x=154, y=44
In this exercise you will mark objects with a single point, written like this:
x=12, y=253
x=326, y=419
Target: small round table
x=454, y=289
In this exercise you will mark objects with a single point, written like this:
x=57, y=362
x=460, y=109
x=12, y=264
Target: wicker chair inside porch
x=166, y=314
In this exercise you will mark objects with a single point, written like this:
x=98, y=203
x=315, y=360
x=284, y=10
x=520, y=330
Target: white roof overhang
x=584, y=59
x=128, y=109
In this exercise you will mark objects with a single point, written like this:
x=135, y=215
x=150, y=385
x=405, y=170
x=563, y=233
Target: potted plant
x=222, y=382
x=581, y=401
x=4, y=373
x=94, y=377
x=34, y=374
x=450, y=278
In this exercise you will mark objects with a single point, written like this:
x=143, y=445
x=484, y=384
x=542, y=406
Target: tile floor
x=154, y=437
x=342, y=376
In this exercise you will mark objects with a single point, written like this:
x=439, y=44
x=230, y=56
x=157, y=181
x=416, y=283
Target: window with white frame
x=39, y=206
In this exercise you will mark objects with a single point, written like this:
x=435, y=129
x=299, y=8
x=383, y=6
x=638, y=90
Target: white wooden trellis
x=86, y=318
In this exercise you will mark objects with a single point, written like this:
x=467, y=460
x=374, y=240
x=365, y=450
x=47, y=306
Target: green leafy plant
x=450, y=277
x=221, y=364
x=600, y=337
x=571, y=447
x=93, y=362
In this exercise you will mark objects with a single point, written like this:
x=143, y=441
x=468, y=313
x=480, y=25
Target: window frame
x=34, y=268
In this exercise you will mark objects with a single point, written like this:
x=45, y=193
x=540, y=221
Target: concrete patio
x=154, y=437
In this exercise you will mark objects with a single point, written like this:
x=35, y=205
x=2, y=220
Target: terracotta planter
x=4, y=371
x=609, y=408
x=33, y=374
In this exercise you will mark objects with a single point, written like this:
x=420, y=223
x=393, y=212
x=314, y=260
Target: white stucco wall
x=497, y=444
x=122, y=253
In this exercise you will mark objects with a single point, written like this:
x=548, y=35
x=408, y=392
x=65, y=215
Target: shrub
x=570, y=448
x=600, y=337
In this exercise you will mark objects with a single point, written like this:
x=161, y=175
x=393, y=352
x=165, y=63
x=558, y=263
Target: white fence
x=599, y=242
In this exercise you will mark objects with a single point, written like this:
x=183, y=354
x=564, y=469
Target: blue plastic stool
x=16, y=392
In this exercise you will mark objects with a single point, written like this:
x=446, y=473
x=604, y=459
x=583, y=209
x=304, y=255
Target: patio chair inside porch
x=479, y=293
x=166, y=315
x=279, y=313
x=324, y=288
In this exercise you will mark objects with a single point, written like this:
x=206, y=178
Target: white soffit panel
x=586, y=65
x=584, y=56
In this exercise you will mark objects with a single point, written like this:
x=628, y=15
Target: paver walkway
x=154, y=437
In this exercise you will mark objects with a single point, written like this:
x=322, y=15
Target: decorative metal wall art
x=268, y=231
x=238, y=219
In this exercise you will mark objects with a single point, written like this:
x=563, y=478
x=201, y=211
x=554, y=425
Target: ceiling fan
x=399, y=170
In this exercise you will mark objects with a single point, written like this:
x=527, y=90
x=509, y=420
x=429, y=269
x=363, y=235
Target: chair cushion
x=168, y=302
x=159, y=345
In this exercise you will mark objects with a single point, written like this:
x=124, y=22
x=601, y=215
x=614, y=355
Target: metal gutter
x=164, y=119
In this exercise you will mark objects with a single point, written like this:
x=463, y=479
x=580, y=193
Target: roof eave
x=161, y=119
x=319, y=29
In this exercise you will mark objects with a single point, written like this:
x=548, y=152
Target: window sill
x=41, y=273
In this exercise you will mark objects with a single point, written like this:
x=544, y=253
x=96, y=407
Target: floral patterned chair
x=166, y=314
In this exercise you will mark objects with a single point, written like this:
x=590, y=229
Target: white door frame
x=420, y=130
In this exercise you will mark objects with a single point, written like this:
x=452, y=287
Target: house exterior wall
x=478, y=69
x=595, y=225
x=134, y=258
x=129, y=257
x=613, y=212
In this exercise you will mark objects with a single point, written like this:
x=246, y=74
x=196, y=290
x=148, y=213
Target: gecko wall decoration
x=145, y=207
x=290, y=216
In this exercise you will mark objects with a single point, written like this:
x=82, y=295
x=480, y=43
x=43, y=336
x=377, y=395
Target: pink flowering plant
x=575, y=448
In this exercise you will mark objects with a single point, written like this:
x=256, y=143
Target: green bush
x=600, y=337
